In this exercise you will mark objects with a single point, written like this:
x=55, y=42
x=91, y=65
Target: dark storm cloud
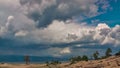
x=45, y=11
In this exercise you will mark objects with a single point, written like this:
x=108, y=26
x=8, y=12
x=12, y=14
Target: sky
x=59, y=28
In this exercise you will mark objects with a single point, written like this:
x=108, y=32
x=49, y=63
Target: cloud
x=51, y=34
x=65, y=50
x=102, y=31
x=58, y=30
x=43, y=12
x=21, y=33
x=59, y=14
x=113, y=36
x=64, y=32
x=10, y=18
x=8, y=28
x=57, y=52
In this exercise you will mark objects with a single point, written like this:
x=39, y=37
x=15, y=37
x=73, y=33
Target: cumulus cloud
x=43, y=12
x=62, y=35
x=113, y=36
x=56, y=15
x=65, y=50
x=67, y=32
x=8, y=28
x=10, y=18
x=58, y=19
x=63, y=32
x=21, y=33
x=58, y=52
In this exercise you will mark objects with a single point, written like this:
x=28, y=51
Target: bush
x=108, y=52
x=55, y=62
x=75, y=59
x=118, y=53
x=78, y=58
x=95, y=55
x=85, y=58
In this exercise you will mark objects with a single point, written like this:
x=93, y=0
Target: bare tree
x=27, y=59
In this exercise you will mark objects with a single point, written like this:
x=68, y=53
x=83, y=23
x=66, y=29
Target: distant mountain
x=33, y=59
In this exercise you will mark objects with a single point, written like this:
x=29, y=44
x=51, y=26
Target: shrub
x=118, y=53
x=108, y=52
x=85, y=58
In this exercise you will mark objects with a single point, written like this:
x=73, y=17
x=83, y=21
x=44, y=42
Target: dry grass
x=111, y=62
x=5, y=67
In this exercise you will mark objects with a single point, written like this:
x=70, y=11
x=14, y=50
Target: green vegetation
x=108, y=52
x=95, y=55
x=78, y=58
x=53, y=62
x=72, y=60
x=84, y=58
x=118, y=53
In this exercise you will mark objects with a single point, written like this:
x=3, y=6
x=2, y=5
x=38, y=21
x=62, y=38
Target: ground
x=111, y=62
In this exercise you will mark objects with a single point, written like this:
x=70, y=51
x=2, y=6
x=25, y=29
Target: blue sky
x=59, y=28
x=111, y=16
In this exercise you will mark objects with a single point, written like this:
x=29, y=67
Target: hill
x=111, y=62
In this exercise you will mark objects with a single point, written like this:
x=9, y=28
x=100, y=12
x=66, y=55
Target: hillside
x=111, y=62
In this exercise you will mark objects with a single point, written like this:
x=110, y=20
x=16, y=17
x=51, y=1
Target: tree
x=95, y=55
x=27, y=59
x=78, y=58
x=75, y=59
x=47, y=63
x=108, y=52
x=85, y=58
x=118, y=53
x=72, y=60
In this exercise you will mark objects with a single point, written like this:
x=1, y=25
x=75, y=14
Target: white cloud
x=114, y=36
x=59, y=31
x=102, y=26
x=102, y=31
x=10, y=18
x=2, y=31
x=21, y=33
x=64, y=32
x=15, y=25
x=55, y=51
x=65, y=51
x=109, y=40
x=8, y=28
